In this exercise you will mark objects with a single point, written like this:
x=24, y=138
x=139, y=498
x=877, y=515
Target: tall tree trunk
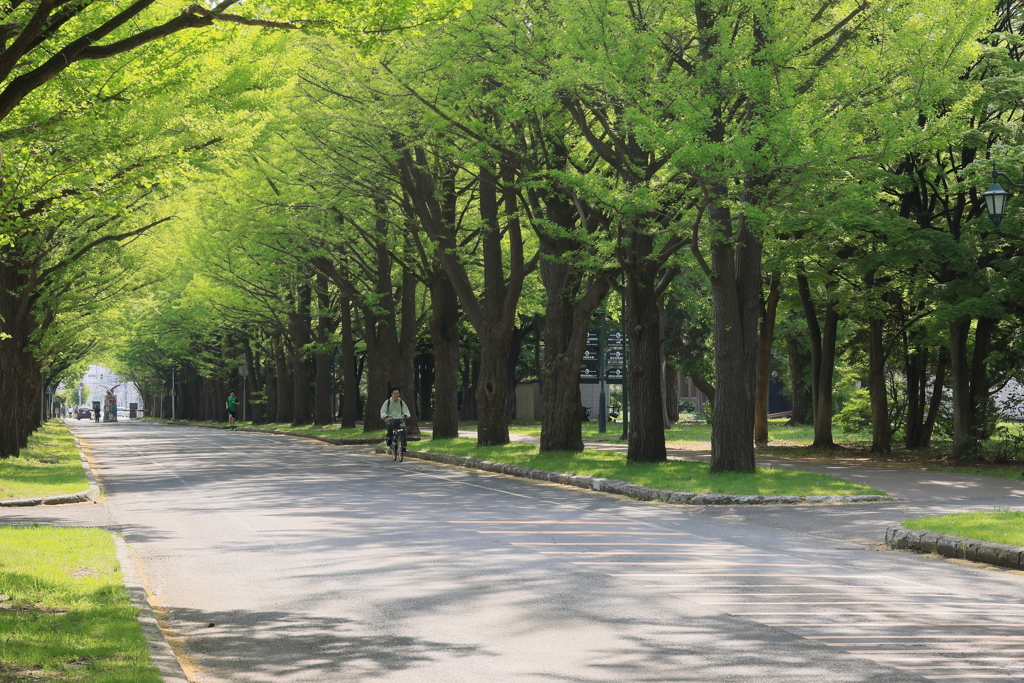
x=766, y=337
x=350, y=379
x=735, y=293
x=823, y=356
x=672, y=394
x=572, y=299
x=915, y=369
x=301, y=332
x=981, y=406
x=323, y=411
x=936, y=401
x=646, y=439
x=969, y=381
x=877, y=387
x=285, y=393
x=798, y=386
x=444, y=335
x=271, y=388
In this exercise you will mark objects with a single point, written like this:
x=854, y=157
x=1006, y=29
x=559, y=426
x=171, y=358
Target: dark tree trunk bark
x=915, y=369
x=255, y=383
x=799, y=388
x=643, y=325
x=350, y=378
x=969, y=381
x=936, y=402
x=766, y=337
x=285, y=393
x=271, y=389
x=963, y=445
x=571, y=300
x=672, y=394
x=323, y=410
x=444, y=335
x=823, y=357
x=736, y=291
x=301, y=324
x=877, y=387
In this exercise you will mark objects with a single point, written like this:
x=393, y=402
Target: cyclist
x=393, y=412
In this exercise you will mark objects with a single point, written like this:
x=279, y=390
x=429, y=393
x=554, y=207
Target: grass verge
x=64, y=611
x=676, y=475
x=997, y=527
x=49, y=466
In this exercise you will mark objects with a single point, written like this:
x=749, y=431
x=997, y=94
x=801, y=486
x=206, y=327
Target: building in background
x=99, y=378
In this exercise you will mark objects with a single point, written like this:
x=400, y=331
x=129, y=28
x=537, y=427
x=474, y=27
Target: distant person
x=232, y=405
x=393, y=412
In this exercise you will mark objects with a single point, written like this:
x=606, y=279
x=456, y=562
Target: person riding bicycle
x=393, y=412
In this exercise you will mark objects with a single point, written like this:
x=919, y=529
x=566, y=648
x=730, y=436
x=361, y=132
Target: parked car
x=83, y=412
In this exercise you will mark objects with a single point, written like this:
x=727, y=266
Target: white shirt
x=393, y=408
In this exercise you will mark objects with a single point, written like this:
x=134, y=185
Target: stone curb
x=91, y=493
x=160, y=653
x=278, y=432
x=1009, y=556
x=625, y=488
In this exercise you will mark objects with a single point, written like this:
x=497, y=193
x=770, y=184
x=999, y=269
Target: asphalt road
x=280, y=559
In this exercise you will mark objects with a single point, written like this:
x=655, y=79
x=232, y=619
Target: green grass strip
x=64, y=611
x=49, y=466
x=997, y=527
x=675, y=475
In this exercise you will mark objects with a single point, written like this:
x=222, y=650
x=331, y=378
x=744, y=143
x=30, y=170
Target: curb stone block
x=970, y=547
x=988, y=553
x=1007, y=556
x=680, y=497
x=703, y=499
x=785, y=500
x=950, y=546
x=930, y=541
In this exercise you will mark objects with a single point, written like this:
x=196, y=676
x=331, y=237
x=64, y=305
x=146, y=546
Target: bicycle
x=398, y=442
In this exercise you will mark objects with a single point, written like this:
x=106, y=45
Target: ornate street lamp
x=996, y=196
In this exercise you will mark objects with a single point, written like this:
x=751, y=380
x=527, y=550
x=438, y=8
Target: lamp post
x=996, y=196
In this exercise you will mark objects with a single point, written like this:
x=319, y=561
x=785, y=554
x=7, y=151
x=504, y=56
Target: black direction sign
x=616, y=340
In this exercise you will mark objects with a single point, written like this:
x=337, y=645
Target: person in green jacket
x=232, y=406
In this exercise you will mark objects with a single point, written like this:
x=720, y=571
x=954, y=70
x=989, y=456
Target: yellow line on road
x=916, y=652
x=584, y=533
x=590, y=543
x=928, y=637
x=514, y=521
x=710, y=563
x=975, y=676
x=823, y=602
x=642, y=552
